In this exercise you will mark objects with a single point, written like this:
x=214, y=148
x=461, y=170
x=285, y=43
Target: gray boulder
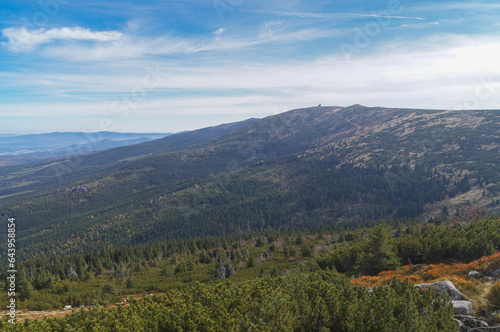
x=462, y=307
x=470, y=321
x=444, y=287
x=495, y=274
x=482, y=329
x=473, y=274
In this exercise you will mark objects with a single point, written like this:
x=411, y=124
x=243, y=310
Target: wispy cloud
x=445, y=6
x=116, y=45
x=421, y=74
x=23, y=39
x=263, y=56
x=341, y=15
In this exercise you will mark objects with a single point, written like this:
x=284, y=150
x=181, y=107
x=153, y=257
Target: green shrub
x=319, y=301
x=493, y=295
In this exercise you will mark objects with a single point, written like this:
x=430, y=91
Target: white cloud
x=136, y=47
x=344, y=15
x=446, y=6
x=442, y=71
x=22, y=39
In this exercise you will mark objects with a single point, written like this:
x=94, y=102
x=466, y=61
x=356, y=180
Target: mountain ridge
x=306, y=168
x=43, y=175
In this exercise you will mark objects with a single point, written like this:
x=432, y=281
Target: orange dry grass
x=455, y=272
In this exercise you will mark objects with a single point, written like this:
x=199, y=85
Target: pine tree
x=230, y=269
x=251, y=262
x=379, y=254
x=25, y=289
x=129, y=283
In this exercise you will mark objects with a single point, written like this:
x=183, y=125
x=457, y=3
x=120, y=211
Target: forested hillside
x=321, y=168
x=17, y=182
x=272, y=281
x=322, y=301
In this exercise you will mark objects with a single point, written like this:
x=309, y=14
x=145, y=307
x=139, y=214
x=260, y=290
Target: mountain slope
x=31, y=156
x=307, y=168
x=57, y=140
x=18, y=181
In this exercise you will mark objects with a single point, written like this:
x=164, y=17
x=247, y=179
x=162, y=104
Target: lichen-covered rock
x=473, y=274
x=445, y=287
x=482, y=329
x=495, y=274
x=470, y=321
x=462, y=307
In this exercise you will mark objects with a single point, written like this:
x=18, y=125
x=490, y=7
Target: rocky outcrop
x=469, y=322
x=154, y=201
x=72, y=190
x=463, y=320
x=462, y=307
x=473, y=274
x=472, y=324
x=495, y=274
x=483, y=329
x=443, y=287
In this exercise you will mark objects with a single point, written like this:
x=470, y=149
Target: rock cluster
x=470, y=323
x=495, y=274
x=444, y=287
x=462, y=308
x=154, y=201
x=72, y=190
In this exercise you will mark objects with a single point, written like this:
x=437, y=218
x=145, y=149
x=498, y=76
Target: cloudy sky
x=160, y=66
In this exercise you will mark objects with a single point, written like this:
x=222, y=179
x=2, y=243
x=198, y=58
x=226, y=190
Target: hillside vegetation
x=174, y=268
x=317, y=168
x=275, y=224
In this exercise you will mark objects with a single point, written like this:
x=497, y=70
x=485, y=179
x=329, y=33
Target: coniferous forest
x=318, y=219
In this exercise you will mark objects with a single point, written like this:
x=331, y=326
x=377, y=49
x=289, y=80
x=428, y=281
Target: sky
x=169, y=66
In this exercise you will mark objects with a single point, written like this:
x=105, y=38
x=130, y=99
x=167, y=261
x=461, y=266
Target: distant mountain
x=26, y=156
x=307, y=168
x=38, y=146
x=25, y=179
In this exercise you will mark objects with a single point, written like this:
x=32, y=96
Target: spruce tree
x=379, y=254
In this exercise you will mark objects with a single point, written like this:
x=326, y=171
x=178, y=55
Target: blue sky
x=160, y=66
